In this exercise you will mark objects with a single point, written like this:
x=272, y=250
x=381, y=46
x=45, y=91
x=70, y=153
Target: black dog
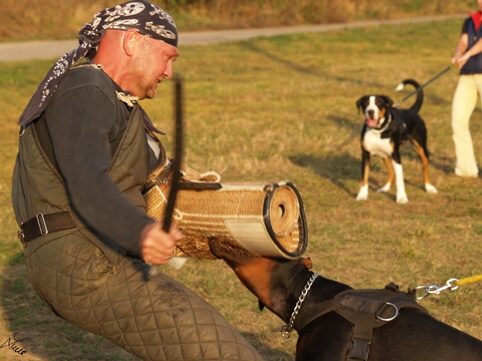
x=405, y=331
x=385, y=130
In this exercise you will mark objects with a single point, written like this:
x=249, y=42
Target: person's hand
x=460, y=61
x=157, y=246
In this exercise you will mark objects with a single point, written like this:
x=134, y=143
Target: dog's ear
x=388, y=100
x=261, y=305
x=359, y=103
x=307, y=262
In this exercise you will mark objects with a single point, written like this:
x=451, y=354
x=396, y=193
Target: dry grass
x=52, y=19
x=284, y=108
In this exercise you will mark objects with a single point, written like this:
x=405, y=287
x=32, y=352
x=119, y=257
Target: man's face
x=154, y=63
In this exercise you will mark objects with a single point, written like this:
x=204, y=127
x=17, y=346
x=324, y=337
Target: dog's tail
x=419, y=101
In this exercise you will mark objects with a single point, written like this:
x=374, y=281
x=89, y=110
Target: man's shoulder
x=88, y=74
x=86, y=79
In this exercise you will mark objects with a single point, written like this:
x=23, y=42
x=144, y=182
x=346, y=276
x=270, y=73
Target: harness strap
x=362, y=337
x=369, y=309
x=365, y=309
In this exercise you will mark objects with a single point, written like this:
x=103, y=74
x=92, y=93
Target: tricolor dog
x=385, y=130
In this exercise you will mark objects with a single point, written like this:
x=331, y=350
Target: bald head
x=137, y=63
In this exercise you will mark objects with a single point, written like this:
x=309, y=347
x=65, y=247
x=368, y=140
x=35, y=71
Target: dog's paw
x=385, y=188
x=363, y=193
x=361, y=197
x=430, y=189
x=402, y=199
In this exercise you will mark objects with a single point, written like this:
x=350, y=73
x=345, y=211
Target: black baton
x=171, y=200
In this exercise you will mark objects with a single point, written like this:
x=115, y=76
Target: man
x=85, y=151
x=468, y=57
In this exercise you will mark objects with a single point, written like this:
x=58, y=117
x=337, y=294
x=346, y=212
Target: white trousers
x=466, y=94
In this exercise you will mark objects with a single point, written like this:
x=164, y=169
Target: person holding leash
x=468, y=58
x=86, y=148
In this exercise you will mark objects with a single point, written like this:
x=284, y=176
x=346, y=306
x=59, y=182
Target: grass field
x=283, y=108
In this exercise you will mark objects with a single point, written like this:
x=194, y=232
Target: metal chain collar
x=287, y=329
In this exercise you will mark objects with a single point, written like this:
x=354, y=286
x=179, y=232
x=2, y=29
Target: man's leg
x=153, y=318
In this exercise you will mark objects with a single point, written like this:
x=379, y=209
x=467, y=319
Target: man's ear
x=131, y=41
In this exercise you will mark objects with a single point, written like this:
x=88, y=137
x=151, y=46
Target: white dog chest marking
x=376, y=145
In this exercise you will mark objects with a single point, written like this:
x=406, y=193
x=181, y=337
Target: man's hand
x=157, y=246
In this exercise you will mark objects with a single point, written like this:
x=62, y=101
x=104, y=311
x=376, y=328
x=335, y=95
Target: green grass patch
x=283, y=108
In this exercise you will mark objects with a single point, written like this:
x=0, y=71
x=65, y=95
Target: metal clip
x=436, y=290
x=41, y=224
x=21, y=237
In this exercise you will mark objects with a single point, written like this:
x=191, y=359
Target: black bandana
x=148, y=19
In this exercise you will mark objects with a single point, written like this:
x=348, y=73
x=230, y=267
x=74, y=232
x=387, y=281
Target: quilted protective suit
x=95, y=285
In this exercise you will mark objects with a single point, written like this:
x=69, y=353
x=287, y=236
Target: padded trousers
x=152, y=317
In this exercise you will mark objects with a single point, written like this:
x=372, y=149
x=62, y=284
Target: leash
x=452, y=284
x=424, y=85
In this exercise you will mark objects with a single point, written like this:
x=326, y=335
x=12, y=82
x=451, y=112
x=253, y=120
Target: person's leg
x=154, y=318
x=463, y=104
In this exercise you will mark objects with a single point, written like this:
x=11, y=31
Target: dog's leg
x=397, y=165
x=391, y=175
x=423, y=155
x=363, y=193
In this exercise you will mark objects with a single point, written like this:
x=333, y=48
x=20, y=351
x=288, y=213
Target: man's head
x=136, y=62
x=126, y=26
x=138, y=45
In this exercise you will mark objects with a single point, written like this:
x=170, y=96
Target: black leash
x=424, y=85
x=171, y=200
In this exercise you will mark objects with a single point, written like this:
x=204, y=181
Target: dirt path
x=53, y=49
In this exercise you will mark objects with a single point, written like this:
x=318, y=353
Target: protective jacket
x=38, y=187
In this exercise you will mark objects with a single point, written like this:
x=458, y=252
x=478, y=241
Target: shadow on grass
x=249, y=45
x=342, y=170
x=337, y=168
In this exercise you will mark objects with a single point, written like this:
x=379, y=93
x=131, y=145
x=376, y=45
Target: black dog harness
x=366, y=310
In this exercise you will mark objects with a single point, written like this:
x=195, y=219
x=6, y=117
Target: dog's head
x=269, y=279
x=375, y=108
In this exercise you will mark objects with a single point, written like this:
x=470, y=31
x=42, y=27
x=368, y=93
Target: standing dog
x=412, y=335
x=385, y=130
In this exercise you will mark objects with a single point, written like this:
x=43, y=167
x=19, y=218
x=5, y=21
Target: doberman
x=411, y=334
